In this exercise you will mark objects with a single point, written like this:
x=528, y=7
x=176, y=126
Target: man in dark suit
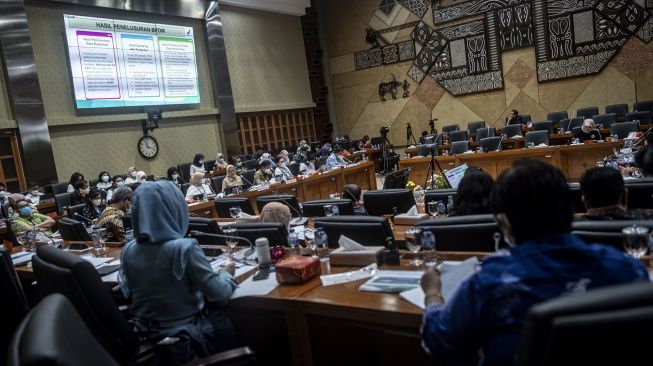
x=514, y=118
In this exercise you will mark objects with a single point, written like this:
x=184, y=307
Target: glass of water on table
x=636, y=240
x=231, y=241
x=412, y=239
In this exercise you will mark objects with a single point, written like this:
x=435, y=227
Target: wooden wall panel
x=275, y=130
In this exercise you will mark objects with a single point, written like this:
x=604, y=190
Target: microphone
x=84, y=217
x=500, y=141
x=240, y=238
x=245, y=179
x=641, y=139
x=295, y=221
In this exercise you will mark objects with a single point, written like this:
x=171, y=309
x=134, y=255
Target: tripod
x=409, y=135
x=384, y=151
x=432, y=164
x=432, y=125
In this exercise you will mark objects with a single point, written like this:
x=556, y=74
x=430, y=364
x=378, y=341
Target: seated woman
x=473, y=197
x=588, y=131
x=198, y=164
x=220, y=163
x=26, y=219
x=118, y=182
x=174, y=176
x=112, y=216
x=74, y=178
x=79, y=195
x=197, y=186
x=232, y=179
x=94, y=206
x=276, y=212
x=282, y=170
x=352, y=192
x=104, y=179
x=141, y=177
x=170, y=281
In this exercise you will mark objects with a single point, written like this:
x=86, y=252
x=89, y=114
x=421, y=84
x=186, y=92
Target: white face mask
x=133, y=174
x=201, y=162
x=120, y=183
x=266, y=171
x=96, y=202
x=175, y=176
x=105, y=178
x=34, y=193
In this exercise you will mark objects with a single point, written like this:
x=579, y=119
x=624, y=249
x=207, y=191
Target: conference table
x=314, y=187
x=309, y=324
x=573, y=160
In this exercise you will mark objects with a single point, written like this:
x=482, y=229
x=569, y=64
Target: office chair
x=286, y=199
x=62, y=200
x=484, y=132
x=316, y=208
x=492, y=143
x=607, y=120
x=217, y=183
x=14, y=303
x=622, y=129
x=587, y=112
x=57, y=271
x=644, y=117
x=366, y=230
x=184, y=188
x=640, y=193
x=76, y=209
x=459, y=147
x=450, y=128
x=205, y=225
x=543, y=126
x=457, y=136
x=222, y=206
x=439, y=195
x=248, y=178
x=620, y=111
x=184, y=170
x=251, y=164
x=425, y=150
x=605, y=232
x=470, y=233
x=473, y=127
x=61, y=187
x=387, y=201
x=577, y=198
x=275, y=232
x=569, y=124
x=512, y=131
x=556, y=117
x=294, y=169
x=644, y=105
x=537, y=137
x=53, y=333
x=606, y=326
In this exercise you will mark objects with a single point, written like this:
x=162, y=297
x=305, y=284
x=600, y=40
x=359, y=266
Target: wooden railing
x=275, y=130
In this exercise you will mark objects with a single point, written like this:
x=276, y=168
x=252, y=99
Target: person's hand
x=229, y=268
x=431, y=286
x=94, y=221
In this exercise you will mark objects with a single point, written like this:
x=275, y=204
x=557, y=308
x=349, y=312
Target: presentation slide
x=118, y=63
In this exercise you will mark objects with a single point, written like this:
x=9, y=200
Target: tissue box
x=297, y=269
x=405, y=219
x=340, y=257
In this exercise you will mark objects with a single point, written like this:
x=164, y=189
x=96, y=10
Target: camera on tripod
x=384, y=131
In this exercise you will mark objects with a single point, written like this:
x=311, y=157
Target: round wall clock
x=148, y=147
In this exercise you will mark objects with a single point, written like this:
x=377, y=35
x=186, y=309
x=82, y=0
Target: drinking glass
x=231, y=241
x=328, y=210
x=413, y=244
x=334, y=196
x=237, y=190
x=635, y=240
x=428, y=249
x=433, y=208
x=234, y=212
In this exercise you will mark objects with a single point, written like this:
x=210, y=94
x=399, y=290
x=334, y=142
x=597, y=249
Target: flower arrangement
x=439, y=182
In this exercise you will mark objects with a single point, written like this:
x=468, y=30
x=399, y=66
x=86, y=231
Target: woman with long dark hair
x=473, y=197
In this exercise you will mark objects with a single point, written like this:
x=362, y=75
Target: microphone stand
x=239, y=238
x=297, y=221
x=89, y=221
x=433, y=162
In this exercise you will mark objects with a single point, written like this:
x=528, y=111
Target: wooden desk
x=573, y=160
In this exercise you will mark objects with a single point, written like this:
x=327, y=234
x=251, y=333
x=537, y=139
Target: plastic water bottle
x=293, y=243
x=323, y=251
x=31, y=240
x=335, y=211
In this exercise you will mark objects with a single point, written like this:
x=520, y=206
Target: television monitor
x=120, y=64
x=397, y=179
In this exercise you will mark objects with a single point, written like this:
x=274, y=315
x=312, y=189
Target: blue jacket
x=488, y=310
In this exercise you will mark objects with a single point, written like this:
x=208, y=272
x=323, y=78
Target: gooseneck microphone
x=239, y=238
x=83, y=217
x=295, y=221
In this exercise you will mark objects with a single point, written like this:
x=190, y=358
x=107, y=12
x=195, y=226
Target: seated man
x=26, y=219
x=588, y=131
x=111, y=217
x=264, y=174
x=605, y=196
x=545, y=261
x=514, y=118
x=353, y=192
x=335, y=160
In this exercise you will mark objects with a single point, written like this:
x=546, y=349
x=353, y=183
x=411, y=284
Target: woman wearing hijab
x=266, y=156
x=276, y=212
x=169, y=280
x=197, y=186
x=282, y=169
x=232, y=179
x=198, y=165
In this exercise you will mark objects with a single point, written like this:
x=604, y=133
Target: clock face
x=148, y=147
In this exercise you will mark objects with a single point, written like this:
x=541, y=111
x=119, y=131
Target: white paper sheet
x=21, y=258
x=392, y=281
x=452, y=276
x=249, y=287
x=339, y=278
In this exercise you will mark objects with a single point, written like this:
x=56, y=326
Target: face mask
x=25, y=211
x=2, y=192
x=239, y=164
x=175, y=176
x=86, y=191
x=201, y=162
x=34, y=193
x=266, y=171
x=105, y=178
x=96, y=202
x=120, y=183
x=283, y=165
x=133, y=174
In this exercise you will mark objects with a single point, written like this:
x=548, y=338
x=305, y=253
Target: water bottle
x=263, y=251
x=31, y=240
x=335, y=211
x=442, y=209
x=293, y=243
x=97, y=240
x=449, y=205
x=129, y=235
x=323, y=251
x=391, y=253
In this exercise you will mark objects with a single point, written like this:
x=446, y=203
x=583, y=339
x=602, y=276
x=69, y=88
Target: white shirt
x=70, y=188
x=103, y=185
x=33, y=198
x=194, y=169
x=195, y=190
x=130, y=180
